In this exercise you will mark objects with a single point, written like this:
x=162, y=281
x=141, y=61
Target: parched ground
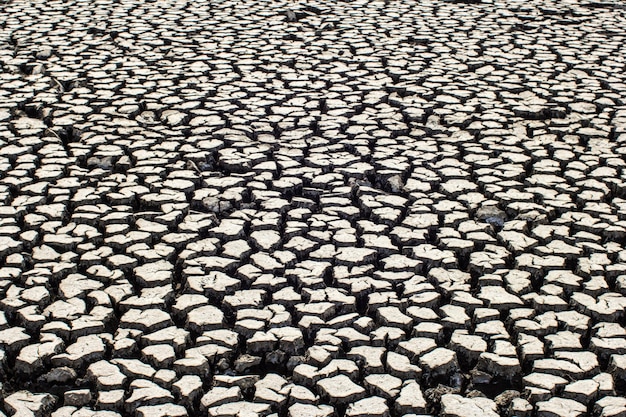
x=268, y=208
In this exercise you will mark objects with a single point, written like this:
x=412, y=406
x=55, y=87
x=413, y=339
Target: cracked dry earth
x=259, y=208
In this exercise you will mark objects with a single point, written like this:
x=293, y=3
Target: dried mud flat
x=260, y=208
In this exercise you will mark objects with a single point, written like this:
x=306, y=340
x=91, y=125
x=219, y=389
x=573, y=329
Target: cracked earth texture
x=268, y=208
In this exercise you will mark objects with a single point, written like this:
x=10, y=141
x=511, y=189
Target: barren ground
x=269, y=208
